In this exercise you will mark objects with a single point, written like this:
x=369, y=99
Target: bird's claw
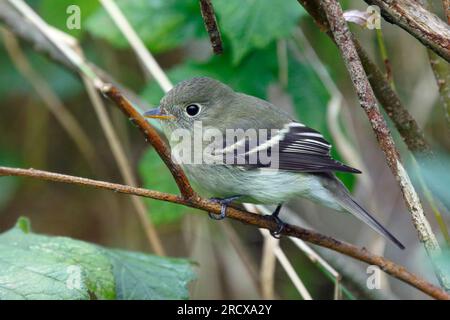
x=280, y=227
x=224, y=202
x=280, y=224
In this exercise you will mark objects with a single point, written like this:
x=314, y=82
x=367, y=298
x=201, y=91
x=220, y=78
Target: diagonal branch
x=191, y=199
x=265, y=222
x=406, y=125
x=368, y=102
x=73, y=58
x=419, y=22
x=209, y=18
x=151, y=136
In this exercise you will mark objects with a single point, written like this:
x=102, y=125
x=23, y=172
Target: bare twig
x=151, y=136
x=124, y=166
x=54, y=104
x=249, y=218
x=309, y=252
x=287, y=266
x=26, y=30
x=241, y=251
x=441, y=70
x=144, y=55
x=344, y=146
x=209, y=18
x=192, y=200
x=406, y=125
x=319, y=261
x=368, y=102
x=351, y=271
x=268, y=264
x=68, y=48
x=420, y=23
x=446, y=7
x=440, y=67
x=385, y=57
x=364, y=20
x=404, y=122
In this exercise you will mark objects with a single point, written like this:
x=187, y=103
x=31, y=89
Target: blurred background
x=271, y=50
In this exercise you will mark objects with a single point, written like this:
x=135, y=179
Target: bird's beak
x=157, y=113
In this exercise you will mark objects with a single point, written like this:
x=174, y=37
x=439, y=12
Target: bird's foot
x=224, y=203
x=280, y=224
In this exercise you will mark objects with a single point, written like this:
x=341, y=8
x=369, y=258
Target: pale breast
x=265, y=186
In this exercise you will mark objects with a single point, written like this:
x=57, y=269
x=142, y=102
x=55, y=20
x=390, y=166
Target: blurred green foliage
x=8, y=185
x=51, y=11
x=12, y=82
x=156, y=176
x=255, y=24
x=42, y=267
x=251, y=64
x=162, y=25
x=435, y=173
x=174, y=31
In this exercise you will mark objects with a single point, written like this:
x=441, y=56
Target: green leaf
x=155, y=174
x=309, y=95
x=140, y=276
x=256, y=72
x=55, y=13
x=162, y=25
x=40, y=267
x=254, y=24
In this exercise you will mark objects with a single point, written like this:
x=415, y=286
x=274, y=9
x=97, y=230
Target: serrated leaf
x=40, y=267
x=254, y=24
x=161, y=24
x=155, y=175
x=140, y=276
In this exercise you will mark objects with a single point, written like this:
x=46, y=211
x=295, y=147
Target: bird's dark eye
x=192, y=110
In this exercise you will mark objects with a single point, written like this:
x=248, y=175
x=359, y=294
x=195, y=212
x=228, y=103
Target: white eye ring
x=193, y=109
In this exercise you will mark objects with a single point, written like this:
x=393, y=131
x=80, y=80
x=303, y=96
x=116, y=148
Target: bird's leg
x=224, y=202
x=280, y=224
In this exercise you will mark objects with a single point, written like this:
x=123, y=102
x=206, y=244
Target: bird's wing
x=294, y=148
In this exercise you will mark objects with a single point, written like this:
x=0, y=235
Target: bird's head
x=197, y=99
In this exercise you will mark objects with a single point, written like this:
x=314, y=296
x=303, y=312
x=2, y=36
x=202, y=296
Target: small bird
x=303, y=164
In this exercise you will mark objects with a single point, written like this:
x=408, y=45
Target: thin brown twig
x=404, y=122
x=70, y=50
x=417, y=21
x=152, y=137
x=124, y=166
x=209, y=18
x=446, y=6
x=191, y=197
x=265, y=222
x=406, y=125
x=368, y=102
x=440, y=67
x=68, y=122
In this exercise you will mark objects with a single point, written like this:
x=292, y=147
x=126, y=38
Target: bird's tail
x=349, y=204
